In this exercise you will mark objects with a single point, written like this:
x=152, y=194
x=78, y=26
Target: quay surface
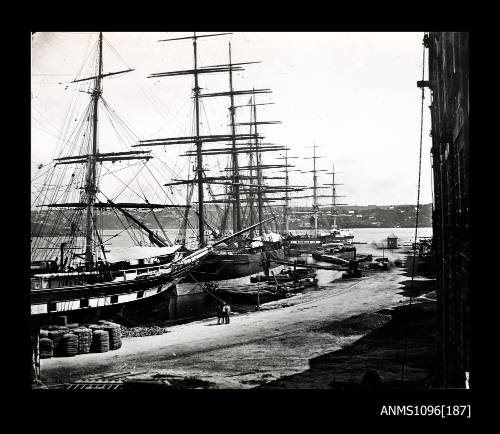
x=255, y=348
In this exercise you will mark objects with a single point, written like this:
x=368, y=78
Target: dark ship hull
x=303, y=244
x=228, y=268
x=268, y=291
x=219, y=266
x=298, y=246
x=338, y=258
x=140, y=300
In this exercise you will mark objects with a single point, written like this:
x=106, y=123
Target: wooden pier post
x=35, y=353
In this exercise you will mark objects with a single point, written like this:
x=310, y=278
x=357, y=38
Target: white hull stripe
x=38, y=309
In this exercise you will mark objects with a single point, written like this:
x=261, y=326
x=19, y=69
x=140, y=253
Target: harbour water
x=118, y=238
x=194, y=306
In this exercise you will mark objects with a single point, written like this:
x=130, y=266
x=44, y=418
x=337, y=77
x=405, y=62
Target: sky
x=353, y=94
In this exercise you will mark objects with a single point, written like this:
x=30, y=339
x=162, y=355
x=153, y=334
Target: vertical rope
x=416, y=219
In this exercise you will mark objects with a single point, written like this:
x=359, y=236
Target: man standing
x=227, y=311
x=220, y=314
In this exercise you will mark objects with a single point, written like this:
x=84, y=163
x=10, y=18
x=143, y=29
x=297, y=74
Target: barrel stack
x=74, y=339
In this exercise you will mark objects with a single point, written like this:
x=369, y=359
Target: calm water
x=117, y=238
x=196, y=306
x=378, y=235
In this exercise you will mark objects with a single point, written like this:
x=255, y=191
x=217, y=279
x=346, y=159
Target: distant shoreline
x=391, y=228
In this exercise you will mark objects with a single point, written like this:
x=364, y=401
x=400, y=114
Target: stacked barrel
x=100, y=341
x=46, y=345
x=84, y=339
x=115, y=335
x=74, y=339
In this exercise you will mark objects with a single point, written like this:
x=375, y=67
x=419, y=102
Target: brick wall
x=449, y=85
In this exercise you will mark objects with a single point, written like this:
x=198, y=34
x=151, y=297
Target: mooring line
x=405, y=353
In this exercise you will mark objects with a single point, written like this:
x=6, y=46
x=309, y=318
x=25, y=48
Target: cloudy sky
x=352, y=94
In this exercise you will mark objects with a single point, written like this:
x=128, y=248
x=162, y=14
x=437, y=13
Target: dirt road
x=254, y=348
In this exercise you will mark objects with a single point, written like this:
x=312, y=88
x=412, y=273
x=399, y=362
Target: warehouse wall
x=449, y=84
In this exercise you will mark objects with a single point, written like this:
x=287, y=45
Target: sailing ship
x=311, y=242
x=245, y=191
x=336, y=234
x=86, y=280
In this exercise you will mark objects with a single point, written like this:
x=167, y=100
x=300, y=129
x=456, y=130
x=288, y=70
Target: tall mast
x=259, y=169
x=286, y=191
x=234, y=179
x=198, y=143
x=91, y=189
x=199, y=139
x=333, y=197
x=258, y=149
x=181, y=234
x=315, y=187
x=251, y=189
x=236, y=187
x=91, y=157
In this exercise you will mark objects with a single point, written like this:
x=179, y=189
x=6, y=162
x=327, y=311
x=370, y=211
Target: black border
x=251, y=406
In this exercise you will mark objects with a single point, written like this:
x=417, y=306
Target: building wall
x=449, y=85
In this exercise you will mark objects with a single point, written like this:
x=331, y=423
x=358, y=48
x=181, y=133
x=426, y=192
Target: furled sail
x=139, y=252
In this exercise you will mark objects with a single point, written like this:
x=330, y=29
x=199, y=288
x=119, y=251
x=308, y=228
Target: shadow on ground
x=392, y=338
x=424, y=267
x=417, y=287
x=376, y=360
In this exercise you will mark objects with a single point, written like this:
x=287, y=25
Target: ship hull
x=307, y=244
x=338, y=259
x=338, y=239
x=228, y=270
x=302, y=246
x=222, y=267
x=266, y=292
x=139, y=301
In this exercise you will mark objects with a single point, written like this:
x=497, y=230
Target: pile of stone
x=132, y=332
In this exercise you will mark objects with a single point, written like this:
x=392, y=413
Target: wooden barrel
x=68, y=346
x=100, y=341
x=84, y=339
x=56, y=336
x=115, y=335
x=46, y=348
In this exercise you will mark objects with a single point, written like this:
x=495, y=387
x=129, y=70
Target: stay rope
x=405, y=354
